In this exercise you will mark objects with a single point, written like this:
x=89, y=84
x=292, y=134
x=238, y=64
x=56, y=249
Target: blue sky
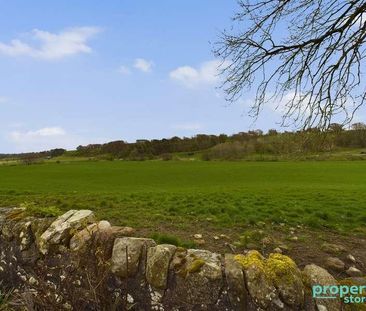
x=88, y=71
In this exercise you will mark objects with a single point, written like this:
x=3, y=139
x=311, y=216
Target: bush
x=40, y=211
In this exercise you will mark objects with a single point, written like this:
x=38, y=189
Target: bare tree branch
x=306, y=54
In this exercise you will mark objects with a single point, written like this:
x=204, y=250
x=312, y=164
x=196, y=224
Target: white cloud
x=205, y=74
x=188, y=126
x=143, y=65
x=52, y=46
x=43, y=139
x=124, y=70
x=18, y=136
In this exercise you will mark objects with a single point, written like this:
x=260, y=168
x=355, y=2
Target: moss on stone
x=195, y=265
x=281, y=268
x=253, y=258
x=278, y=268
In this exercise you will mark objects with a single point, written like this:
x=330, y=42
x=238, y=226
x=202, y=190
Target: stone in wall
x=258, y=282
x=81, y=238
x=126, y=255
x=199, y=279
x=315, y=275
x=237, y=291
x=63, y=228
x=157, y=264
x=287, y=279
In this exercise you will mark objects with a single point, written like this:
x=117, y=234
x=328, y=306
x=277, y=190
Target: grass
x=172, y=239
x=182, y=194
x=37, y=210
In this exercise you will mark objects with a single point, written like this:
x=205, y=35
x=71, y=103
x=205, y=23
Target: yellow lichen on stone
x=281, y=268
x=253, y=258
x=277, y=267
x=196, y=265
x=280, y=264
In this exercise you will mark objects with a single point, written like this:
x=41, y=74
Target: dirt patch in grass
x=304, y=245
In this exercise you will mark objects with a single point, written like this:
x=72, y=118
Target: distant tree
x=272, y=132
x=222, y=138
x=306, y=55
x=115, y=148
x=56, y=152
x=335, y=127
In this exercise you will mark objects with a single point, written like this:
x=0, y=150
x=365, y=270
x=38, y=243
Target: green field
x=177, y=194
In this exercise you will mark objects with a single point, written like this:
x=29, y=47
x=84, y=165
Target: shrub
x=40, y=211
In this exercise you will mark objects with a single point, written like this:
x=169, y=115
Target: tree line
x=221, y=146
x=242, y=143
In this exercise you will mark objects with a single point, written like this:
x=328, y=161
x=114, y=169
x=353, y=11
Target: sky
x=86, y=71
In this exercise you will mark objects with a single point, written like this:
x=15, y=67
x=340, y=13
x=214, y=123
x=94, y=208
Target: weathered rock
x=235, y=280
x=25, y=235
x=7, y=230
x=351, y=258
x=287, y=279
x=277, y=250
x=273, y=281
x=335, y=264
x=283, y=247
x=127, y=253
x=157, y=264
x=119, y=232
x=258, y=283
x=61, y=230
x=315, y=275
x=197, y=236
x=200, y=280
x=332, y=248
x=352, y=271
x=39, y=226
x=179, y=260
x=104, y=225
x=81, y=238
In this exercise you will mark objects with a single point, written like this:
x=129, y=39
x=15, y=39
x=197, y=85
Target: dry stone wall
x=75, y=262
